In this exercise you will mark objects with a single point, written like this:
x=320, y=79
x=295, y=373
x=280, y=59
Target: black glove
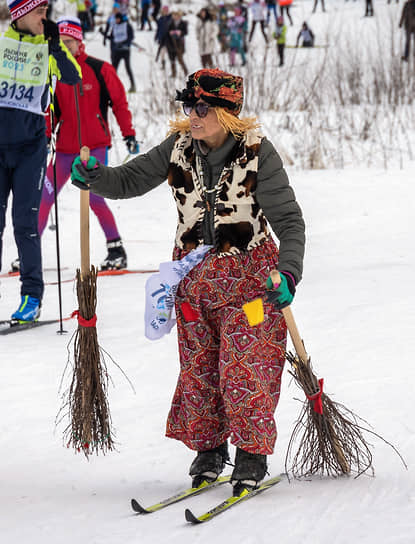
x=51, y=32
x=81, y=176
x=132, y=145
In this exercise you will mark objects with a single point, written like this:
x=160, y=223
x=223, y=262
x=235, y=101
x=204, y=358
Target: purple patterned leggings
x=97, y=203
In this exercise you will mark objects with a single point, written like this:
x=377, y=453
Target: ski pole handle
x=84, y=207
x=291, y=324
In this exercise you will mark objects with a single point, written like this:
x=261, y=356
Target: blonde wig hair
x=229, y=122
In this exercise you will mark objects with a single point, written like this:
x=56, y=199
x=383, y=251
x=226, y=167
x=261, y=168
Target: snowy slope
x=355, y=310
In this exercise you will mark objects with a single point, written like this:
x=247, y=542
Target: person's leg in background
x=27, y=185
x=117, y=257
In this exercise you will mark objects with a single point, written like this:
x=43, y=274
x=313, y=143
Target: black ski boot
x=209, y=464
x=249, y=471
x=116, y=258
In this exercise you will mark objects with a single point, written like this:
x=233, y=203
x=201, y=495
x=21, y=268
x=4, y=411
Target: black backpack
x=104, y=98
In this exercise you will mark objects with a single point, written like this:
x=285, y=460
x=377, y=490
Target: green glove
x=82, y=176
x=282, y=295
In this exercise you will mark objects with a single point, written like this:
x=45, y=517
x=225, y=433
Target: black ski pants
x=116, y=56
x=409, y=35
x=262, y=23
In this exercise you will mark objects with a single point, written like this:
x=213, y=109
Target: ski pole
x=55, y=190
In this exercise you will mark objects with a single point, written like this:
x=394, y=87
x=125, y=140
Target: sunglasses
x=201, y=109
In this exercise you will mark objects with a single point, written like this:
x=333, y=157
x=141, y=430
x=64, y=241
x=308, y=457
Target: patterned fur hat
x=215, y=87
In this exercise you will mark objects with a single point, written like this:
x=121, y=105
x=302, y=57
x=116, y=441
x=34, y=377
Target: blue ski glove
x=132, y=145
x=281, y=295
x=82, y=176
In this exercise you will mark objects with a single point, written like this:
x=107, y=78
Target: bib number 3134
x=15, y=91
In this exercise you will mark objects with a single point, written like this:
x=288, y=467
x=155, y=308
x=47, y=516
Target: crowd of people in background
x=226, y=28
x=229, y=29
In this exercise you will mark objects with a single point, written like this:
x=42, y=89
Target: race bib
x=23, y=74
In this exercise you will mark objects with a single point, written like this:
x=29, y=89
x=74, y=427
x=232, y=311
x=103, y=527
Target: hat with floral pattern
x=215, y=87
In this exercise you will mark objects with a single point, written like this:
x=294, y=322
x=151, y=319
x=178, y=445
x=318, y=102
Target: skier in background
x=258, y=16
x=306, y=35
x=23, y=147
x=408, y=22
x=369, y=9
x=145, y=14
x=280, y=35
x=285, y=9
x=155, y=5
x=101, y=88
x=271, y=7
x=323, y=7
x=106, y=32
x=122, y=36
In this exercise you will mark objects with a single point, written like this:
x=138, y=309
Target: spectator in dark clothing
x=315, y=5
x=156, y=9
x=408, y=22
x=306, y=35
x=162, y=34
x=145, y=8
x=271, y=7
x=175, y=44
x=122, y=36
x=369, y=8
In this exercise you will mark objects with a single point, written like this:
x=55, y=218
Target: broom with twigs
x=330, y=437
x=90, y=428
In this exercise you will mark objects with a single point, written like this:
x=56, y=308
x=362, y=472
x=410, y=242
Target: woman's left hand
x=281, y=295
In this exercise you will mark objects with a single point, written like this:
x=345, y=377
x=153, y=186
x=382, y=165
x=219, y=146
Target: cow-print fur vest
x=239, y=223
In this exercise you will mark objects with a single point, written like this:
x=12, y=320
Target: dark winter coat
x=408, y=16
x=176, y=35
x=19, y=127
x=273, y=192
x=101, y=88
x=162, y=32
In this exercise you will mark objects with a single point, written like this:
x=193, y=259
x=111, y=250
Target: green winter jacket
x=280, y=34
x=273, y=193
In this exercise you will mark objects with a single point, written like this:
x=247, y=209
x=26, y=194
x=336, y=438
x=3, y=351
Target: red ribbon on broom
x=316, y=397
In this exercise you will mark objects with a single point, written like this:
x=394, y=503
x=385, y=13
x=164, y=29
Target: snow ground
x=355, y=310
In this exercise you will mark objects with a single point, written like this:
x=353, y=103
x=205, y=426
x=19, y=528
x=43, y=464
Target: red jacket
x=94, y=97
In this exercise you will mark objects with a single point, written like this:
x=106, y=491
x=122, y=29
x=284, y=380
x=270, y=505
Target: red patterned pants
x=230, y=375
